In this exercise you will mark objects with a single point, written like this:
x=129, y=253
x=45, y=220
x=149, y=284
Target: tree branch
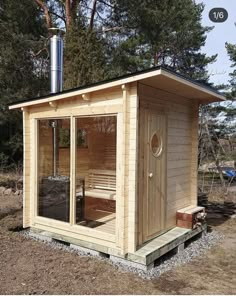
x=93, y=14
x=39, y=52
x=46, y=13
x=100, y=17
x=105, y=3
x=57, y=15
x=214, y=154
x=114, y=29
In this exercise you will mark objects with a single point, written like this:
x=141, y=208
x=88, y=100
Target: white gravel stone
x=195, y=249
x=2, y=189
x=84, y=250
x=8, y=191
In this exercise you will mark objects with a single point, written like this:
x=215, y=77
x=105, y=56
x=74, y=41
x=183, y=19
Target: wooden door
x=154, y=173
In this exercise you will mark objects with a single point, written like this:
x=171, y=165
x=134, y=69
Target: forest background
x=105, y=39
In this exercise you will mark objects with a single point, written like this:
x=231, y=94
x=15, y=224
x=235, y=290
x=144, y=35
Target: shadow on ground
x=217, y=212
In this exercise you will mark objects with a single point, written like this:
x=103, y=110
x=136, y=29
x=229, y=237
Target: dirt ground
x=30, y=267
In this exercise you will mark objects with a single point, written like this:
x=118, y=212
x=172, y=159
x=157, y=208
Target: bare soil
x=31, y=267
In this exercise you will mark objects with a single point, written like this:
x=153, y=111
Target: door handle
x=150, y=175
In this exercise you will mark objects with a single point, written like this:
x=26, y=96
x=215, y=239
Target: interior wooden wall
x=45, y=152
x=182, y=116
x=100, y=153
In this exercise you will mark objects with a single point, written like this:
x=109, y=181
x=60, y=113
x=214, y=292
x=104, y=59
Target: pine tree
x=120, y=37
x=161, y=33
x=84, y=47
x=231, y=49
x=20, y=74
x=84, y=60
x=218, y=121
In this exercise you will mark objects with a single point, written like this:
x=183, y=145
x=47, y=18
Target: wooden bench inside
x=101, y=184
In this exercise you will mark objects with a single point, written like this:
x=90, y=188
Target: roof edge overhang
x=214, y=95
x=139, y=76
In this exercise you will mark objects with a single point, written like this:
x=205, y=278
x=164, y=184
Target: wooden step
x=162, y=244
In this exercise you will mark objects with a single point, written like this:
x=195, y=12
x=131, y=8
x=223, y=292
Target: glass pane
x=156, y=145
x=96, y=173
x=54, y=169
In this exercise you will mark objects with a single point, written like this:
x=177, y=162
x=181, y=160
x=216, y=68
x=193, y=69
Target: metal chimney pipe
x=56, y=61
x=56, y=82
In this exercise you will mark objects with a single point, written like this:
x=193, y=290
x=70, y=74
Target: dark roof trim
x=167, y=69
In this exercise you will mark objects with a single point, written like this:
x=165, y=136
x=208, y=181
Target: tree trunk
x=68, y=14
x=46, y=13
x=215, y=155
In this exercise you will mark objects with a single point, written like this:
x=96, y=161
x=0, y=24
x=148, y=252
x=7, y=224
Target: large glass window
x=96, y=173
x=54, y=169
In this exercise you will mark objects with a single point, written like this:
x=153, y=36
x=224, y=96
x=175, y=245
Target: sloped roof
x=158, y=77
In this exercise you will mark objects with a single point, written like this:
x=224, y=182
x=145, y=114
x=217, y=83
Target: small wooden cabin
x=107, y=166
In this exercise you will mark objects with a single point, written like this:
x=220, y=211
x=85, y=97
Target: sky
x=215, y=42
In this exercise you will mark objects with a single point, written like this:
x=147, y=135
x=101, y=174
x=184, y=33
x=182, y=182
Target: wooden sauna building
x=108, y=165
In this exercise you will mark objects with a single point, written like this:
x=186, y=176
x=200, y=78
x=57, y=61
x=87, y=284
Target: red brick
x=184, y=224
x=186, y=220
x=185, y=217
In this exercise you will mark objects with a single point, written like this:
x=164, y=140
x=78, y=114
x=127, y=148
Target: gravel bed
x=193, y=250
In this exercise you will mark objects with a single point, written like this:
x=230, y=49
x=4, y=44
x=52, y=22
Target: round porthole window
x=156, y=144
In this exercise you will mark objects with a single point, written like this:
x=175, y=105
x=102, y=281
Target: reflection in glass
x=54, y=169
x=96, y=173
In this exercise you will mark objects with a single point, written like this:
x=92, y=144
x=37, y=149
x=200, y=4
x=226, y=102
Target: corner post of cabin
x=26, y=167
x=122, y=138
x=73, y=159
x=34, y=144
x=194, y=153
x=131, y=167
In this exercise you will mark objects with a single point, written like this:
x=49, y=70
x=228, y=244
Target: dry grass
x=12, y=180
x=29, y=267
x=221, y=195
x=214, y=273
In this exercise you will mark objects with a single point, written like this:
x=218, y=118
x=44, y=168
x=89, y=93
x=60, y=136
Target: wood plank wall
x=182, y=118
x=106, y=102
x=130, y=169
x=181, y=150
x=26, y=167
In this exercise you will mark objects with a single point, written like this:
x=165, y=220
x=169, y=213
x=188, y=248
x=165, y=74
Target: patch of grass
x=11, y=180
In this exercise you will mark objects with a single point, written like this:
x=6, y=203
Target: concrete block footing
x=180, y=248
x=41, y=236
x=204, y=232
x=143, y=259
x=131, y=263
x=85, y=250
